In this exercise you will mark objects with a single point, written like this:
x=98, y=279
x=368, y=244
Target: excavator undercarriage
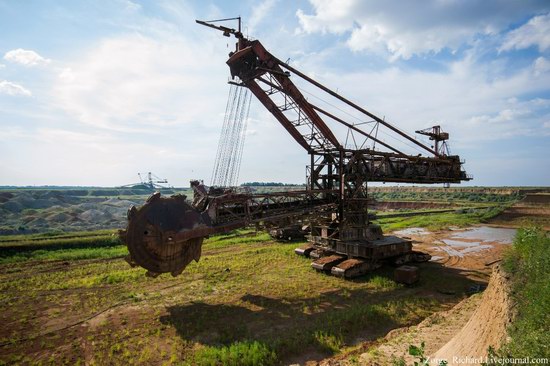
x=166, y=233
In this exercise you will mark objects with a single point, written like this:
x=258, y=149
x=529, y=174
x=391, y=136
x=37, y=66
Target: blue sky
x=92, y=92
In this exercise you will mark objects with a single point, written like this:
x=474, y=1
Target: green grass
x=329, y=342
x=335, y=329
x=237, y=354
x=113, y=277
x=11, y=240
x=240, y=236
x=442, y=220
x=248, y=300
x=61, y=246
x=75, y=240
x=96, y=244
x=64, y=254
x=528, y=262
x=447, y=196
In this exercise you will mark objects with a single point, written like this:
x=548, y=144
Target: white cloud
x=89, y=154
x=2, y=66
x=473, y=101
x=25, y=57
x=147, y=97
x=536, y=32
x=517, y=119
x=66, y=75
x=131, y=6
x=9, y=88
x=541, y=65
x=135, y=82
x=151, y=95
x=330, y=16
x=259, y=12
x=403, y=29
x=12, y=133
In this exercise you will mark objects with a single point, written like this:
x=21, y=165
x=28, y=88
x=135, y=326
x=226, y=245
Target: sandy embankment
x=464, y=331
x=487, y=326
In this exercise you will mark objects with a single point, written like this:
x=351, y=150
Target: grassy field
x=71, y=299
x=451, y=195
x=439, y=221
x=528, y=262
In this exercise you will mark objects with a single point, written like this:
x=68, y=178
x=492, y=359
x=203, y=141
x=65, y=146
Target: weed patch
x=442, y=220
x=528, y=262
x=237, y=354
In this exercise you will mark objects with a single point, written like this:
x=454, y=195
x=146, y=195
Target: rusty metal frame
x=337, y=175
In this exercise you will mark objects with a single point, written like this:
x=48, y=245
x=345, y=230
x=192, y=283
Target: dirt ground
x=475, y=264
x=245, y=289
x=485, y=313
x=480, y=320
x=486, y=327
x=533, y=209
x=101, y=311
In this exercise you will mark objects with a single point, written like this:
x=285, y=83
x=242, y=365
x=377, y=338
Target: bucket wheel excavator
x=166, y=233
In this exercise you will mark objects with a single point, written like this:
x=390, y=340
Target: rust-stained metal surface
x=406, y=274
x=166, y=233
x=304, y=250
x=325, y=264
x=151, y=235
x=354, y=267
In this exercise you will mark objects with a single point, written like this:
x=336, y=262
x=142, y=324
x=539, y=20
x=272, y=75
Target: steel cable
x=232, y=136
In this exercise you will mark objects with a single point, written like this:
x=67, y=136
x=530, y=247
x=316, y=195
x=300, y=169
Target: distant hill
x=26, y=210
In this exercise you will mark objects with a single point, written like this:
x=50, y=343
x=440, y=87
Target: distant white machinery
x=149, y=180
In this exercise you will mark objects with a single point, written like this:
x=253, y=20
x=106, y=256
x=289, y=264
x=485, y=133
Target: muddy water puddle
x=475, y=240
x=412, y=231
x=481, y=242
x=459, y=243
x=486, y=234
x=454, y=252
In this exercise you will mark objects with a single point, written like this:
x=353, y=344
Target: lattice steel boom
x=166, y=234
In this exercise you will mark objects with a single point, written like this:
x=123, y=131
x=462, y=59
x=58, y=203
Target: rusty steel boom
x=165, y=234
